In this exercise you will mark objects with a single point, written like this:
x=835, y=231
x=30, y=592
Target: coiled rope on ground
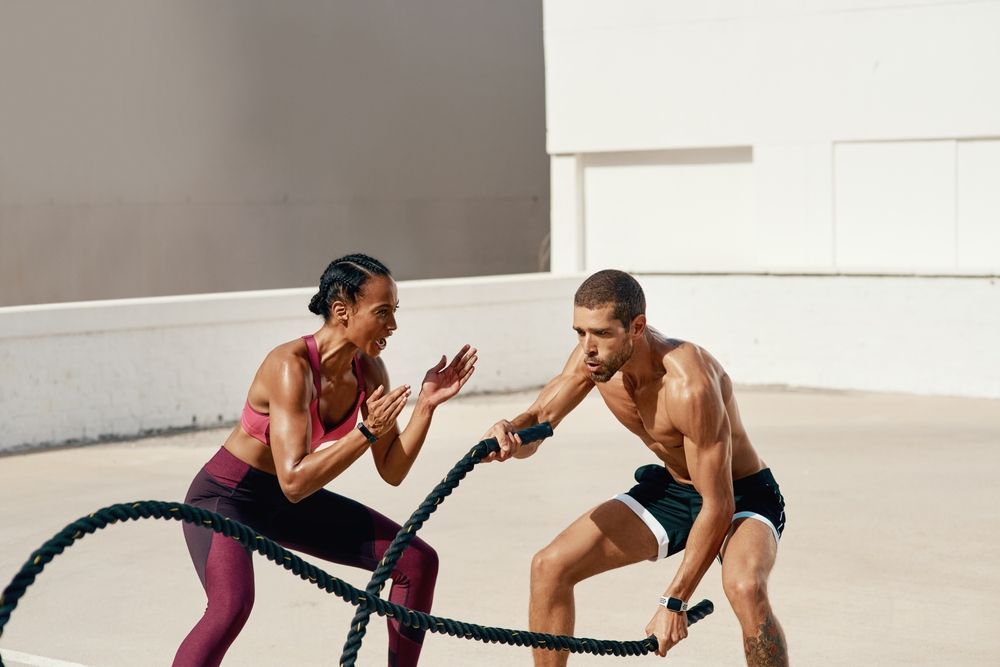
x=367, y=601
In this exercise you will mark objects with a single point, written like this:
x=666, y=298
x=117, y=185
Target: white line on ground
x=35, y=660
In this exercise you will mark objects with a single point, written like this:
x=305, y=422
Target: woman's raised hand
x=444, y=381
x=383, y=409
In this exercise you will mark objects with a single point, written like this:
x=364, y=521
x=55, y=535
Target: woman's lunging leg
x=227, y=575
x=413, y=580
x=341, y=530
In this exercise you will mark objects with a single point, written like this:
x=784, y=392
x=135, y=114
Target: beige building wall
x=152, y=147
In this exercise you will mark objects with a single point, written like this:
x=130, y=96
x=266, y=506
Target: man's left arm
x=699, y=412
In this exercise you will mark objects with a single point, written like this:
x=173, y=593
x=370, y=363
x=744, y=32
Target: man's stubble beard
x=613, y=365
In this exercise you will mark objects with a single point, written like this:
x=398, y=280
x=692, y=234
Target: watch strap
x=674, y=604
x=369, y=436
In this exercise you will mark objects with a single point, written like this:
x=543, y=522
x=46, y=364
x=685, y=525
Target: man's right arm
x=556, y=400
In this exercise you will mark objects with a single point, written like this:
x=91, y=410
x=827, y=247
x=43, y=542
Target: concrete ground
x=890, y=556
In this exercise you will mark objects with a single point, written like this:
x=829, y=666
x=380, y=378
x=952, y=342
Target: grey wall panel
x=152, y=147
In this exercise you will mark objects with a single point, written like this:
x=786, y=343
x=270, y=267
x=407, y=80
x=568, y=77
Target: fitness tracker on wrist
x=674, y=604
x=369, y=436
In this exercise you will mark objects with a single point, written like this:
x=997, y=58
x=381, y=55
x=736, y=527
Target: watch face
x=673, y=604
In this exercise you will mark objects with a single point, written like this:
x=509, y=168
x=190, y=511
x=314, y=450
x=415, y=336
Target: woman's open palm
x=444, y=381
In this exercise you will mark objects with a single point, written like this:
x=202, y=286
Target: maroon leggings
x=324, y=525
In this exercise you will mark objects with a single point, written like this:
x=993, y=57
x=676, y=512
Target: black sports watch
x=369, y=436
x=674, y=604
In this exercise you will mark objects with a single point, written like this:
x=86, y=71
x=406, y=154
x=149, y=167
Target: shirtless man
x=711, y=494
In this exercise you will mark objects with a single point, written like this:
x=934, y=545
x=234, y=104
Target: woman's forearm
x=404, y=449
x=317, y=469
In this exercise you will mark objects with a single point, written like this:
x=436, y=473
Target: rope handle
x=528, y=436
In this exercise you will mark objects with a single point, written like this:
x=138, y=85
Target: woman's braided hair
x=344, y=279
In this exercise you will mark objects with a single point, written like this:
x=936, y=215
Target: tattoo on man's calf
x=768, y=648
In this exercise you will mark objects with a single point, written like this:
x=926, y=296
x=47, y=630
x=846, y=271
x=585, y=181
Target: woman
x=298, y=431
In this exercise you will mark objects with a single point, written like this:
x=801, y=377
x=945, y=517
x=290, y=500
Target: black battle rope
x=359, y=623
x=409, y=531
x=276, y=553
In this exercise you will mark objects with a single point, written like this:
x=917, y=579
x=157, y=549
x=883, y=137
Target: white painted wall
x=781, y=155
x=895, y=206
x=87, y=371
x=978, y=205
x=647, y=211
x=660, y=74
x=90, y=370
x=793, y=216
x=825, y=136
x=898, y=334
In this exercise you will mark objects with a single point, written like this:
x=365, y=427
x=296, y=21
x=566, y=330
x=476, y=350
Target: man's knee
x=549, y=565
x=745, y=591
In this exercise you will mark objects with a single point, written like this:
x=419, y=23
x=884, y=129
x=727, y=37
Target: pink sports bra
x=258, y=425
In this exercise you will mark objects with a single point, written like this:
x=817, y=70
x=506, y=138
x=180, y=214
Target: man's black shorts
x=669, y=507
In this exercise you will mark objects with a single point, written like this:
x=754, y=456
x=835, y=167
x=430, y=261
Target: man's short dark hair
x=616, y=288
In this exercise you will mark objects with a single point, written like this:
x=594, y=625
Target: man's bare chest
x=644, y=413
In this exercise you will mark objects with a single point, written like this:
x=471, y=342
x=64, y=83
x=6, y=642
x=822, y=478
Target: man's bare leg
x=748, y=557
x=607, y=537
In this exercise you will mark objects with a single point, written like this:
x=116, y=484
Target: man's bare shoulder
x=690, y=370
x=693, y=390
